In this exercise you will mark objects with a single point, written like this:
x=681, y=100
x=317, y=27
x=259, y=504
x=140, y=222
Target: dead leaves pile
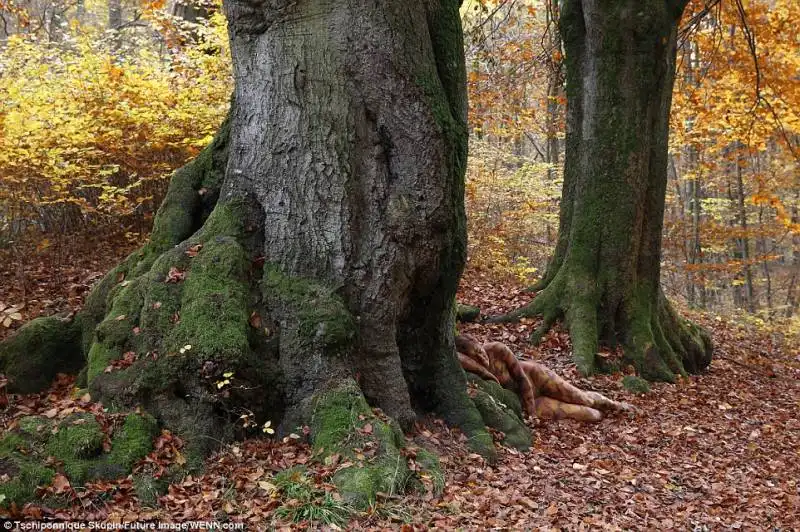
x=55, y=279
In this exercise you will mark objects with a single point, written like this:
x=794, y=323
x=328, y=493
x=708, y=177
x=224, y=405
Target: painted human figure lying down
x=544, y=394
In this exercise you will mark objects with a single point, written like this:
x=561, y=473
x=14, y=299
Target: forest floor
x=717, y=450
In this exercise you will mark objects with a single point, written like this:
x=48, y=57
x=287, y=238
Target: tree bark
x=604, y=277
x=349, y=135
x=744, y=241
x=791, y=291
x=698, y=281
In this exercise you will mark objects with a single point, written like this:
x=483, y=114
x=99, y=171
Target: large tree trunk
x=349, y=139
x=604, y=277
x=312, y=252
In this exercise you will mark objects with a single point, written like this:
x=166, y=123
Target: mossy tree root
x=655, y=339
x=372, y=445
x=343, y=425
x=193, y=324
x=38, y=351
x=75, y=443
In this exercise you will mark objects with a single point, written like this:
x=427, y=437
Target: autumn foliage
x=731, y=237
x=89, y=134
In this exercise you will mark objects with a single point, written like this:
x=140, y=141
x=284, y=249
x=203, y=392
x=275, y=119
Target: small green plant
x=304, y=501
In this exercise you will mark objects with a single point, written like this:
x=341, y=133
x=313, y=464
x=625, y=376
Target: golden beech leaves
x=511, y=201
x=85, y=127
x=516, y=107
x=734, y=136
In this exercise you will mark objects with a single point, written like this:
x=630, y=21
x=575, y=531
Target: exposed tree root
x=38, y=351
x=344, y=426
x=656, y=340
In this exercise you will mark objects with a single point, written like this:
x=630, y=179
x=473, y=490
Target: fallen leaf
x=60, y=483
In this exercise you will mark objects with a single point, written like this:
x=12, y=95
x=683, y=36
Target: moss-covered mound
x=191, y=323
x=507, y=398
x=500, y=409
x=33, y=356
x=635, y=384
x=467, y=313
x=344, y=425
x=39, y=448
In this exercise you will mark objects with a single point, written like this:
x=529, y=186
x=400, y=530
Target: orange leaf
x=61, y=484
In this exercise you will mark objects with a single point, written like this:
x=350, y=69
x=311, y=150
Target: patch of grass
x=394, y=512
x=305, y=502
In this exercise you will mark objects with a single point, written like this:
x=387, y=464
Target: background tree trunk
x=604, y=277
x=115, y=23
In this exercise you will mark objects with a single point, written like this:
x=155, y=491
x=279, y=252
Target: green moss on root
x=33, y=356
x=214, y=306
x=192, y=193
x=190, y=331
x=12, y=442
x=128, y=445
x=500, y=417
x=176, y=217
x=134, y=441
x=322, y=316
x=336, y=416
x=115, y=313
x=27, y=476
x=76, y=445
x=100, y=357
x=77, y=436
x=467, y=313
x=360, y=484
x=645, y=349
x=114, y=335
x=227, y=219
x=115, y=329
x=457, y=409
x=37, y=428
x=430, y=467
x=24, y=469
x=507, y=398
x=635, y=384
x=342, y=422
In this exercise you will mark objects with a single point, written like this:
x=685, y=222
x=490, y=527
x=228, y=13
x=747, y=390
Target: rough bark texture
x=305, y=265
x=604, y=277
x=350, y=135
